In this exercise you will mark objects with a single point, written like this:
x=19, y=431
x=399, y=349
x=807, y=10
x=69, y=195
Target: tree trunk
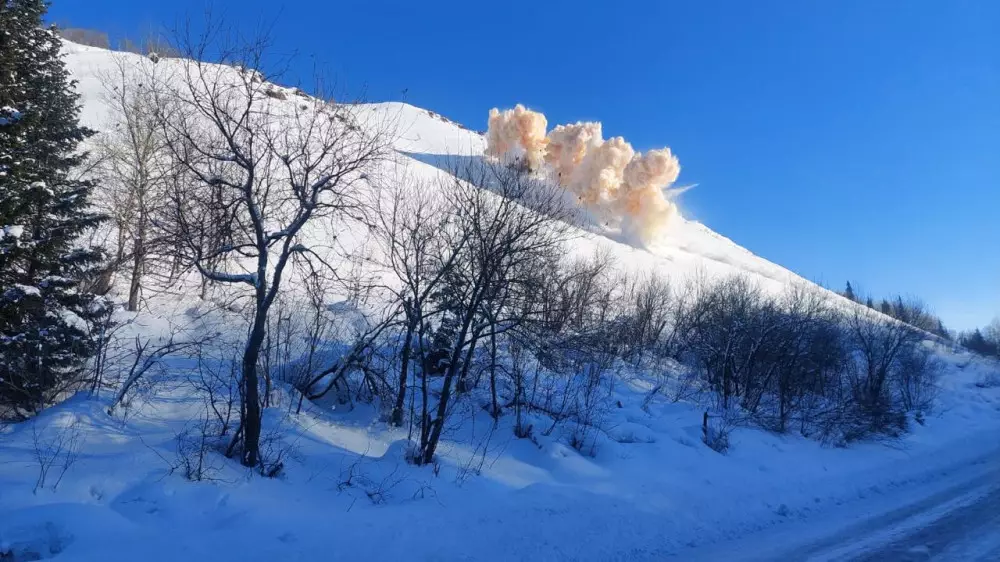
x=424, y=415
x=463, y=376
x=430, y=445
x=137, y=262
x=397, y=410
x=493, y=375
x=251, y=398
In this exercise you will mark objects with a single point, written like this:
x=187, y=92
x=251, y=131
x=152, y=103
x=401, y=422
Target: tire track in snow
x=970, y=533
x=918, y=531
x=876, y=528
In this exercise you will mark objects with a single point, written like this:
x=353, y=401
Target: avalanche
x=80, y=483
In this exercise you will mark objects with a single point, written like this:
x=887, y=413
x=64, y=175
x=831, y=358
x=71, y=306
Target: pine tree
x=849, y=292
x=44, y=315
x=976, y=342
x=942, y=331
x=870, y=304
x=886, y=308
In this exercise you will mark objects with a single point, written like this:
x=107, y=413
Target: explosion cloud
x=517, y=129
x=653, y=170
x=606, y=175
x=646, y=212
x=599, y=177
x=568, y=144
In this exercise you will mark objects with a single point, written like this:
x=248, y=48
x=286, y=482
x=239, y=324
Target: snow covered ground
x=652, y=491
x=79, y=484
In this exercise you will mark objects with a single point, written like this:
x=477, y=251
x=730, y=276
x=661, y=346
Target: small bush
x=989, y=380
x=197, y=451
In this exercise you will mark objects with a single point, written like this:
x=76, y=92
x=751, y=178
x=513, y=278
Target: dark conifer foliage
x=45, y=315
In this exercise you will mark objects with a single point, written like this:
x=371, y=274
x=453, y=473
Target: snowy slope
x=686, y=247
x=426, y=140
x=652, y=490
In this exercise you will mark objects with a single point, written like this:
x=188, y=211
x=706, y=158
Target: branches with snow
x=9, y=115
x=252, y=171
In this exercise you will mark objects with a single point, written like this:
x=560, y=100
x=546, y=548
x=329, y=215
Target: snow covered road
x=955, y=517
x=968, y=533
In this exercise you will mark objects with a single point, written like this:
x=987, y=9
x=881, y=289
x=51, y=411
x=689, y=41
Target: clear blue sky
x=845, y=140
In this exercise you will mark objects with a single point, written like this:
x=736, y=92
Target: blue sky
x=845, y=140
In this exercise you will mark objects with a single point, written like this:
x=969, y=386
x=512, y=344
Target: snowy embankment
x=79, y=484
x=653, y=490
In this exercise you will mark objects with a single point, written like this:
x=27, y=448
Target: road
x=968, y=533
x=961, y=523
x=956, y=518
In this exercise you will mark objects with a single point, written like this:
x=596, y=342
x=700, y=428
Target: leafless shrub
x=736, y=327
x=796, y=358
x=378, y=491
x=107, y=352
x=989, y=380
x=916, y=379
x=810, y=358
x=196, y=454
x=89, y=37
x=217, y=380
x=715, y=431
x=358, y=350
x=56, y=449
x=318, y=333
x=648, y=305
x=416, y=235
x=146, y=356
x=150, y=43
x=883, y=347
x=275, y=450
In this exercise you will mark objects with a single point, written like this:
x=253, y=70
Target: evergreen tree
x=977, y=343
x=886, y=308
x=870, y=304
x=44, y=314
x=849, y=292
x=901, y=312
x=942, y=331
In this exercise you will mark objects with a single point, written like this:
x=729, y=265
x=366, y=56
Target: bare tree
x=881, y=344
x=510, y=224
x=736, y=325
x=648, y=306
x=809, y=358
x=421, y=246
x=259, y=171
x=134, y=165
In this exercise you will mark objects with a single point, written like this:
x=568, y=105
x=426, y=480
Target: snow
x=651, y=490
x=27, y=290
x=349, y=494
x=9, y=115
x=13, y=231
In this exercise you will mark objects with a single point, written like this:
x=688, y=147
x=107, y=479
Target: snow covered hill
x=425, y=141
x=79, y=484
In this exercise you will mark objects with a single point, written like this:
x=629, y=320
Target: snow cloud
x=606, y=175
